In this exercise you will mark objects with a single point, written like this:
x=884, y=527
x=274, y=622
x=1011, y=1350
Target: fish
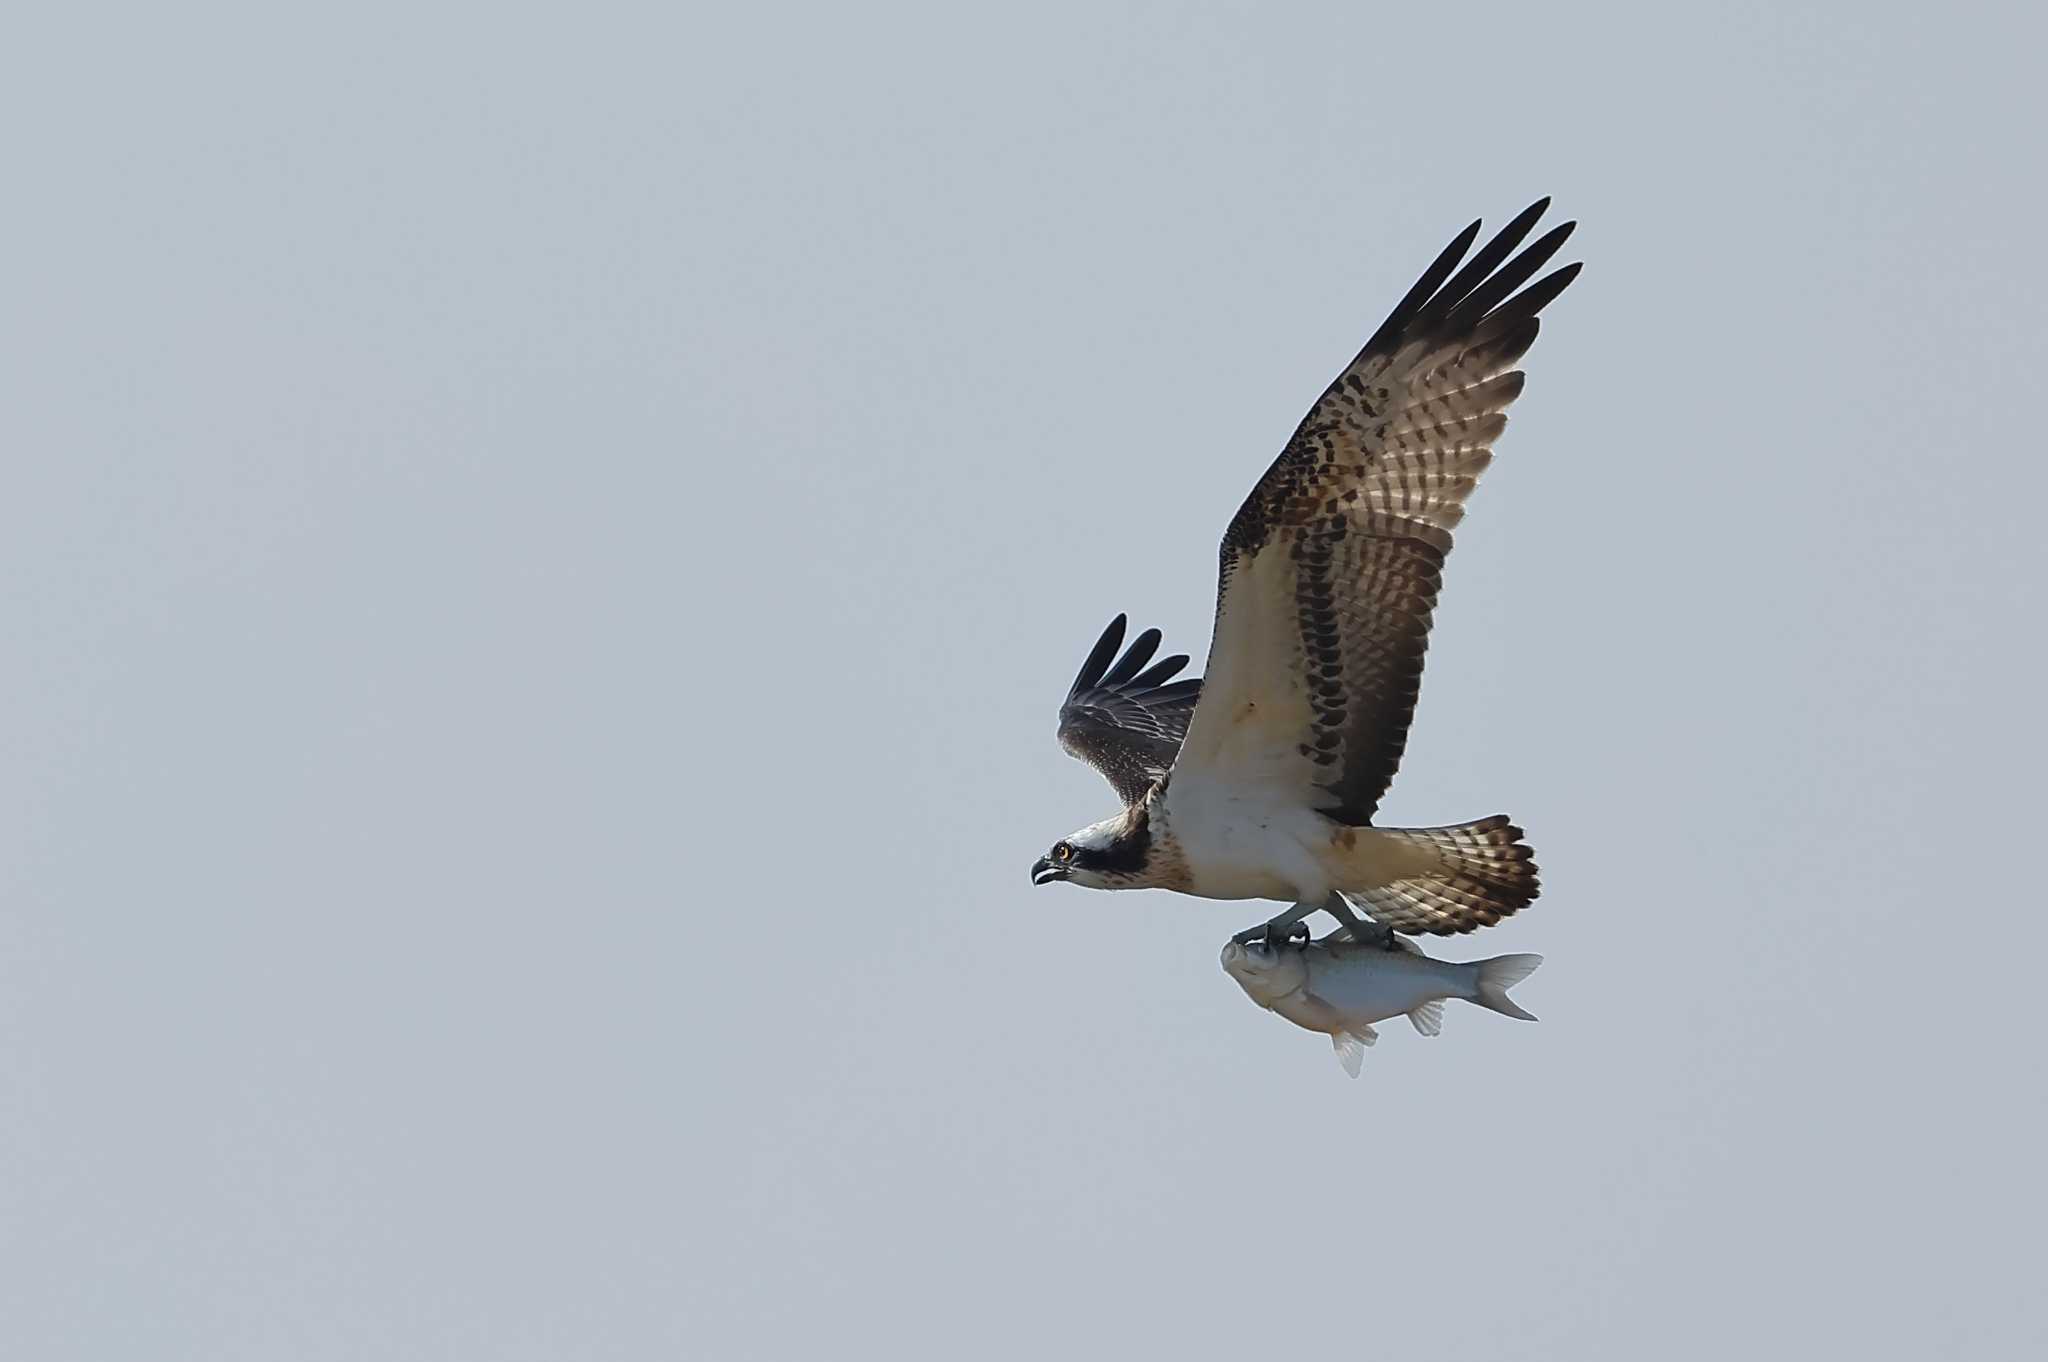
x=1341, y=987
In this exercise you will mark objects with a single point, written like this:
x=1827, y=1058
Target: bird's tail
x=1498, y=975
x=1443, y=880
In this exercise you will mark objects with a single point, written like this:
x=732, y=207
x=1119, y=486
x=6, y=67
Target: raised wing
x=1127, y=720
x=1329, y=571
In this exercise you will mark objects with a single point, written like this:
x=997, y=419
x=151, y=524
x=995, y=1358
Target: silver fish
x=1341, y=988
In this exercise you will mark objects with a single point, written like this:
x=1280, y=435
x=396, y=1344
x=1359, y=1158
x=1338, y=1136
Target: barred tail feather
x=1484, y=872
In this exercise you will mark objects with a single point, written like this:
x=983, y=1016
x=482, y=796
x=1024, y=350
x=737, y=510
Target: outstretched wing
x=1329, y=572
x=1125, y=722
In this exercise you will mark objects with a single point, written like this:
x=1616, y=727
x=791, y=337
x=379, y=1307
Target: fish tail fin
x=1442, y=880
x=1350, y=1047
x=1497, y=976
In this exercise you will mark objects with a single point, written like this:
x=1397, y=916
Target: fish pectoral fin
x=1429, y=1018
x=1350, y=1046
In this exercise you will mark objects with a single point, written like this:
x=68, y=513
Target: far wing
x=1127, y=720
x=1329, y=571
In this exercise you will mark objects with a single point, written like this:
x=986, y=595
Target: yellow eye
x=1063, y=853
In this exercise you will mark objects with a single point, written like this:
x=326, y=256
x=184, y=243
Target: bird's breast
x=1233, y=847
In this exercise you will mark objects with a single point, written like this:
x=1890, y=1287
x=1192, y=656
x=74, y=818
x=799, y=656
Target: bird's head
x=1106, y=855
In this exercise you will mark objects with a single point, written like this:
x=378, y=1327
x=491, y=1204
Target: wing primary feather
x=1525, y=305
x=1424, y=289
x=1141, y=650
x=1160, y=671
x=1512, y=276
x=1490, y=255
x=1099, y=656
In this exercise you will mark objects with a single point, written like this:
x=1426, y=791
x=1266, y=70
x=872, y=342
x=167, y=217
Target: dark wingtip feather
x=1140, y=652
x=1179, y=690
x=1495, y=290
x=1490, y=255
x=1447, y=259
x=1539, y=294
x=1160, y=671
x=1099, y=656
x=1450, y=298
x=1424, y=288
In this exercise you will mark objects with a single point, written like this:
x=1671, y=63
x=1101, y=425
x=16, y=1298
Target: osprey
x=1261, y=781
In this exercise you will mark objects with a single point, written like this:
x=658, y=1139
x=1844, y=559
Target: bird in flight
x=1260, y=781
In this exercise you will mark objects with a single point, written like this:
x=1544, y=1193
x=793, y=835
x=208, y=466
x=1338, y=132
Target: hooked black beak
x=1043, y=871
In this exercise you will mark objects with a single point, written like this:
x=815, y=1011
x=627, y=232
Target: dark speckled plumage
x=1363, y=498
x=1328, y=578
x=1127, y=720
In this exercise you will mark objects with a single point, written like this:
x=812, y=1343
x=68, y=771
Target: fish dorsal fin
x=1350, y=1047
x=1429, y=1018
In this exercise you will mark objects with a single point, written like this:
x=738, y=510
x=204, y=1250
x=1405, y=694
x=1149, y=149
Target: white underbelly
x=1243, y=847
x=1223, y=879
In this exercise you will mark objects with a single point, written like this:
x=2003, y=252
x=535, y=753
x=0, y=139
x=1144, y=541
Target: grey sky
x=542, y=552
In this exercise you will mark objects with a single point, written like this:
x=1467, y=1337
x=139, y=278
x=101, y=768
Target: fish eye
x=1062, y=853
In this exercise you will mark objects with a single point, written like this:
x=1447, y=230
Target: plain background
x=540, y=554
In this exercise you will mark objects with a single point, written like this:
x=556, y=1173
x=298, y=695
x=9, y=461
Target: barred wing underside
x=1329, y=571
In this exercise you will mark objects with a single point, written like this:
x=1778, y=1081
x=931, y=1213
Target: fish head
x=1265, y=971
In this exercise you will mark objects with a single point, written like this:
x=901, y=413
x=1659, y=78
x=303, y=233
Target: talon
x=1276, y=930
